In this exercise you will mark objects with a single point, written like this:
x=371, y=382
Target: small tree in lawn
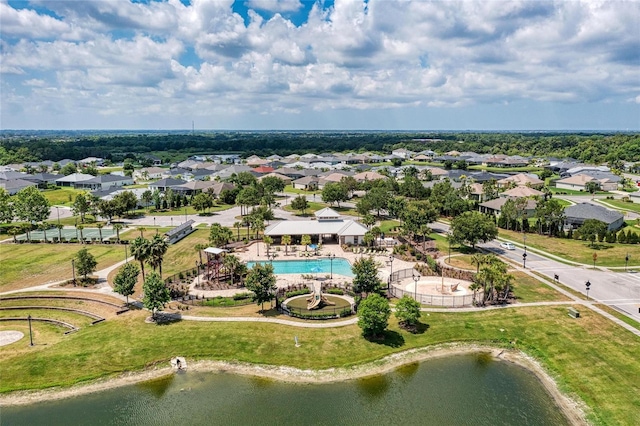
x=373, y=315
x=591, y=228
x=262, y=282
x=473, y=227
x=85, y=263
x=156, y=293
x=408, y=312
x=126, y=280
x=300, y=203
x=366, y=279
x=305, y=241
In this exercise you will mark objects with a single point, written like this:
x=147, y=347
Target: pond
x=459, y=390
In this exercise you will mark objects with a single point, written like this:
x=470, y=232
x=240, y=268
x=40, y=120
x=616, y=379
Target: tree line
x=587, y=147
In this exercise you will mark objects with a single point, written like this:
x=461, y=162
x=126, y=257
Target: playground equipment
x=317, y=299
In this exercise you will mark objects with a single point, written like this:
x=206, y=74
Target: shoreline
x=574, y=411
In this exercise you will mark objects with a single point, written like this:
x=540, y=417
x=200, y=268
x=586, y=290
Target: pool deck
x=285, y=280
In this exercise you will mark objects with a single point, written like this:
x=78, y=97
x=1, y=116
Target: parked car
x=508, y=246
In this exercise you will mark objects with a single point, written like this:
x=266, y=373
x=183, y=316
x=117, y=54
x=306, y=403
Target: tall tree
x=373, y=315
x=140, y=251
x=158, y=247
x=156, y=293
x=300, y=203
x=6, y=207
x=232, y=264
x=591, y=229
x=118, y=227
x=473, y=227
x=262, y=282
x=81, y=206
x=366, y=280
x=335, y=192
x=305, y=240
x=85, y=263
x=407, y=312
x=31, y=205
x=126, y=279
x=219, y=235
x=286, y=240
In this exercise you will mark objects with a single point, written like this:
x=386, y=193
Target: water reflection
x=374, y=387
x=158, y=387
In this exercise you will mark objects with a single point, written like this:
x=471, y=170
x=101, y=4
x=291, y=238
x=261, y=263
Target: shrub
x=295, y=293
x=181, y=275
x=335, y=291
x=242, y=296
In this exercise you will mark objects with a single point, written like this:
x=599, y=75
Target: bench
x=573, y=313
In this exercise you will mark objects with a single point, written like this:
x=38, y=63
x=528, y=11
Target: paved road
x=619, y=290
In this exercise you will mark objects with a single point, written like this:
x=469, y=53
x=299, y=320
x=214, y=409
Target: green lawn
x=528, y=290
x=62, y=196
x=619, y=204
x=291, y=190
x=576, y=250
x=589, y=357
x=25, y=265
x=313, y=207
x=555, y=190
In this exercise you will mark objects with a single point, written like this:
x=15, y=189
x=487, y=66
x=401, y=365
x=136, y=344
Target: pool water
x=321, y=266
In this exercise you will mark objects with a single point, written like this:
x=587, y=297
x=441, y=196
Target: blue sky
x=316, y=65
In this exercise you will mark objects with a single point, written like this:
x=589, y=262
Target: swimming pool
x=322, y=266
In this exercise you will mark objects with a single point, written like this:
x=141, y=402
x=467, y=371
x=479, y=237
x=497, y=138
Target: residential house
x=521, y=192
x=163, y=184
x=576, y=183
x=42, y=179
x=73, y=179
x=576, y=215
x=147, y=173
x=521, y=179
x=104, y=182
x=368, y=176
x=12, y=186
x=308, y=183
x=405, y=154
x=495, y=206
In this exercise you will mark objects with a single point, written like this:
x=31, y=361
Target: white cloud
x=275, y=5
x=119, y=57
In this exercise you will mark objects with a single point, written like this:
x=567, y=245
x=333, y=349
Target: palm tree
x=199, y=248
x=305, y=240
x=100, y=226
x=231, y=263
x=157, y=249
x=140, y=252
x=117, y=228
x=59, y=226
x=14, y=231
x=286, y=240
x=80, y=228
x=478, y=259
x=268, y=241
x=141, y=229
x=238, y=225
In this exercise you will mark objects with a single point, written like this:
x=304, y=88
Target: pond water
x=320, y=267
x=460, y=390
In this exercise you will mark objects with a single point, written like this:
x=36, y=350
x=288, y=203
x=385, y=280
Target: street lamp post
x=331, y=257
x=30, y=333
x=198, y=272
x=449, y=236
x=588, y=284
x=524, y=260
x=391, y=258
x=58, y=210
x=626, y=262
x=73, y=270
x=415, y=287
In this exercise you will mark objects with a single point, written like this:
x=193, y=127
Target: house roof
x=522, y=179
x=263, y=169
x=277, y=175
x=576, y=180
x=306, y=180
x=497, y=203
x=75, y=177
x=178, y=229
x=107, y=178
x=326, y=213
x=368, y=176
x=585, y=211
x=15, y=184
x=195, y=185
x=163, y=183
x=339, y=227
x=522, y=191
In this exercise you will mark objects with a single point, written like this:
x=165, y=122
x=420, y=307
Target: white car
x=508, y=246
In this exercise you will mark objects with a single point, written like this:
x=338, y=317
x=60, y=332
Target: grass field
x=62, y=196
x=576, y=250
x=590, y=357
x=25, y=265
x=618, y=204
x=291, y=190
x=313, y=207
x=528, y=290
